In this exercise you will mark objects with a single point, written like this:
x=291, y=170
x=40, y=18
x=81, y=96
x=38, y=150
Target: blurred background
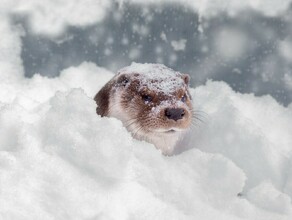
x=250, y=48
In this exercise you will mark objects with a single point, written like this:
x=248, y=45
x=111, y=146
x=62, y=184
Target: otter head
x=153, y=102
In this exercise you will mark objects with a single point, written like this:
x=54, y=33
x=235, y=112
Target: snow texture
x=155, y=77
x=59, y=160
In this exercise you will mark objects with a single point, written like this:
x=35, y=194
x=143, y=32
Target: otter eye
x=125, y=81
x=147, y=98
x=184, y=98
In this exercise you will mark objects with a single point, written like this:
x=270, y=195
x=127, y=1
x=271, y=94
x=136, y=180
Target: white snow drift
x=59, y=160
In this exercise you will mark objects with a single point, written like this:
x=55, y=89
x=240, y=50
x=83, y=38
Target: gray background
x=136, y=33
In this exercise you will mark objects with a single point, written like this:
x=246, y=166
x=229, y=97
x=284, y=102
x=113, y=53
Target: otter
x=152, y=101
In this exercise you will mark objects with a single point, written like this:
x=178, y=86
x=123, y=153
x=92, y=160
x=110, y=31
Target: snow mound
x=59, y=160
x=156, y=77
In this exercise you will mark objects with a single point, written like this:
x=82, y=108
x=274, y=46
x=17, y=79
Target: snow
x=285, y=48
x=266, y=196
x=288, y=81
x=156, y=77
x=179, y=45
x=52, y=17
x=231, y=44
x=212, y=7
x=59, y=160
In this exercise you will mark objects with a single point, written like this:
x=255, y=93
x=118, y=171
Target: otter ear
x=102, y=100
x=186, y=78
x=123, y=80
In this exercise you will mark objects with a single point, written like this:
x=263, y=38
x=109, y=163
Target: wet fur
x=120, y=98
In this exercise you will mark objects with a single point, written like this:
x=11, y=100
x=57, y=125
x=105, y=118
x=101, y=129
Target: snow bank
x=59, y=160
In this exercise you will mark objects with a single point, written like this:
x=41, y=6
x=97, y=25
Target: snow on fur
x=59, y=160
x=156, y=77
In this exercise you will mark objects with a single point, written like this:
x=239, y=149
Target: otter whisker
x=136, y=132
x=196, y=118
x=130, y=125
x=200, y=113
x=149, y=98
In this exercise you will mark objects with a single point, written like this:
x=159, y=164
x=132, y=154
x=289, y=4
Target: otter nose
x=174, y=113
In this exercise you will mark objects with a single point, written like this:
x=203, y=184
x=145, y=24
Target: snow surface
x=59, y=160
x=156, y=77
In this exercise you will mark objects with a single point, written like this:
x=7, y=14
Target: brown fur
x=102, y=99
x=123, y=97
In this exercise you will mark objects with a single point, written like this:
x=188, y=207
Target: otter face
x=153, y=107
x=152, y=111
